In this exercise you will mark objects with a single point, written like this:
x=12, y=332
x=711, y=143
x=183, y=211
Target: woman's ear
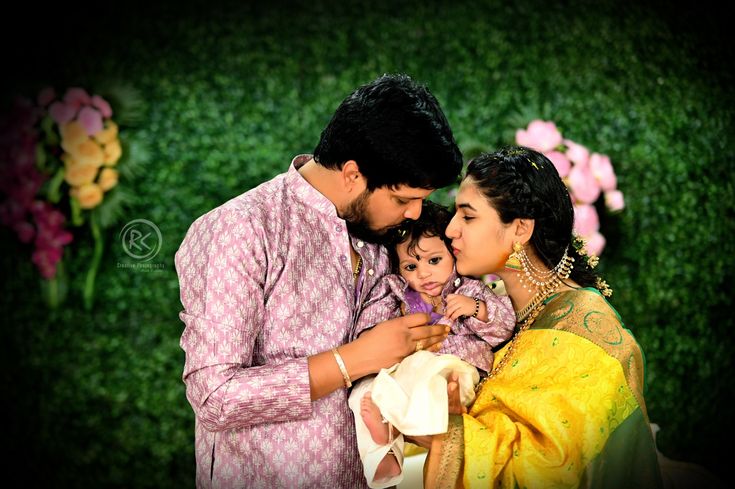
x=523, y=230
x=352, y=179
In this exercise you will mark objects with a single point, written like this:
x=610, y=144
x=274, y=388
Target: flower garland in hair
x=580, y=244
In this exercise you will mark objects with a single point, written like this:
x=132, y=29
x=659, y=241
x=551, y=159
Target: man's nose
x=414, y=210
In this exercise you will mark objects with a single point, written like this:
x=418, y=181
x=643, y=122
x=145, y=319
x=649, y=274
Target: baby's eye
x=410, y=268
x=435, y=260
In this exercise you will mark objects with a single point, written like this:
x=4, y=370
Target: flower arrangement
x=588, y=176
x=59, y=172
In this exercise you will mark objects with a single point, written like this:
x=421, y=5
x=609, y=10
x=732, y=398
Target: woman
x=563, y=405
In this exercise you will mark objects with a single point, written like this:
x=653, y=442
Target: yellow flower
x=113, y=151
x=108, y=179
x=108, y=134
x=87, y=152
x=89, y=195
x=72, y=133
x=78, y=174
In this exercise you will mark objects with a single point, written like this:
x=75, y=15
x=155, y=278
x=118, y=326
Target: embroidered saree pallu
x=566, y=411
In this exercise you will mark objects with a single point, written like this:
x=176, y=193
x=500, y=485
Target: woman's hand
x=455, y=407
x=453, y=399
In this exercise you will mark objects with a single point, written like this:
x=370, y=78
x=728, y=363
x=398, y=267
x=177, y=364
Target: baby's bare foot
x=387, y=468
x=373, y=420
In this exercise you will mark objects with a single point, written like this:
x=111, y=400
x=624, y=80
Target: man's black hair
x=395, y=131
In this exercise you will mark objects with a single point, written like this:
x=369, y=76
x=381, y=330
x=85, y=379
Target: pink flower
x=62, y=112
x=47, y=215
x=91, y=119
x=25, y=231
x=595, y=243
x=46, y=260
x=540, y=135
x=586, y=220
x=102, y=105
x=614, y=200
x=578, y=154
x=603, y=171
x=582, y=184
x=77, y=97
x=46, y=96
x=560, y=161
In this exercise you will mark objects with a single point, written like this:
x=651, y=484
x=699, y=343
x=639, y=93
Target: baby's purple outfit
x=470, y=339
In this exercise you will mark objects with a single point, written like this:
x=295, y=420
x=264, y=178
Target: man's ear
x=352, y=179
x=523, y=230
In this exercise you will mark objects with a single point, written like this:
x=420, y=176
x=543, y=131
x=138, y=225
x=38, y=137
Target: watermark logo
x=141, y=239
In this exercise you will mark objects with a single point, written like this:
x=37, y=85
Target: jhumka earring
x=514, y=260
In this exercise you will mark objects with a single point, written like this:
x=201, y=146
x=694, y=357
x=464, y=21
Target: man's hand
x=391, y=341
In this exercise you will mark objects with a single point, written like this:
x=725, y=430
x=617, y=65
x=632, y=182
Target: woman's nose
x=452, y=230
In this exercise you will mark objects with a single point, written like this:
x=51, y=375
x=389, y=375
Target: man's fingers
x=415, y=319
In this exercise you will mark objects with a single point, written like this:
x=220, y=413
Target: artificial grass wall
x=233, y=91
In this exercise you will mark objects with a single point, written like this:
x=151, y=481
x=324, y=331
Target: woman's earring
x=514, y=262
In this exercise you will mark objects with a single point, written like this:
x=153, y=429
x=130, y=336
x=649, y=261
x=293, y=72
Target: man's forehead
x=406, y=192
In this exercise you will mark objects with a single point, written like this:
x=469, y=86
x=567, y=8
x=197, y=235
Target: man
x=274, y=282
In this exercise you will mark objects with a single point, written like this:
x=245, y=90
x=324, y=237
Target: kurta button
x=337, y=227
x=456, y=282
x=360, y=244
x=343, y=258
x=371, y=272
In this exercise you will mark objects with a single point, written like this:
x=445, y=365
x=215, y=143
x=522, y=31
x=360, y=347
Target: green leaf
x=113, y=206
x=77, y=219
x=54, y=187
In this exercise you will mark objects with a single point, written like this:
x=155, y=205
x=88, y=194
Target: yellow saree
x=566, y=411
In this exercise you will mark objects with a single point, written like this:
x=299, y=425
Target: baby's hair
x=433, y=221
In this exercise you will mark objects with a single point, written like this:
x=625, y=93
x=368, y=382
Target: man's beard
x=358, y=224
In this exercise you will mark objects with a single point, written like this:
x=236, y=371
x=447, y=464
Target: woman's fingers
x=453, y=398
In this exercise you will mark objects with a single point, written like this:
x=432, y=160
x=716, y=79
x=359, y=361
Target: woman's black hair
x=519, y=182
x=433, y=221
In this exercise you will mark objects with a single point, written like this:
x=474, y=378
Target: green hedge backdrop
x=232, y=91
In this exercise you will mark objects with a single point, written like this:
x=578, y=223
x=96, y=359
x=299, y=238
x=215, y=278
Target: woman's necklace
x=535, y=300
x=526, y=323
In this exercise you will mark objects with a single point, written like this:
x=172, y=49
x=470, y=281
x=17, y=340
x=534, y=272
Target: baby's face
x=429, y=268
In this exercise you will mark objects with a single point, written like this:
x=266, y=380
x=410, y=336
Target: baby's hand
x=459, y=305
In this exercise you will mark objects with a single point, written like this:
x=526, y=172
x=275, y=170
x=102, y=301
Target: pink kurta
x=266, y=281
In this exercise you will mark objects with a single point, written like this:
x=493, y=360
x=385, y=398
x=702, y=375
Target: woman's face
x=481, y=242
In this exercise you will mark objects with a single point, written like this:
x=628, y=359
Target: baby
x=410, y=398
